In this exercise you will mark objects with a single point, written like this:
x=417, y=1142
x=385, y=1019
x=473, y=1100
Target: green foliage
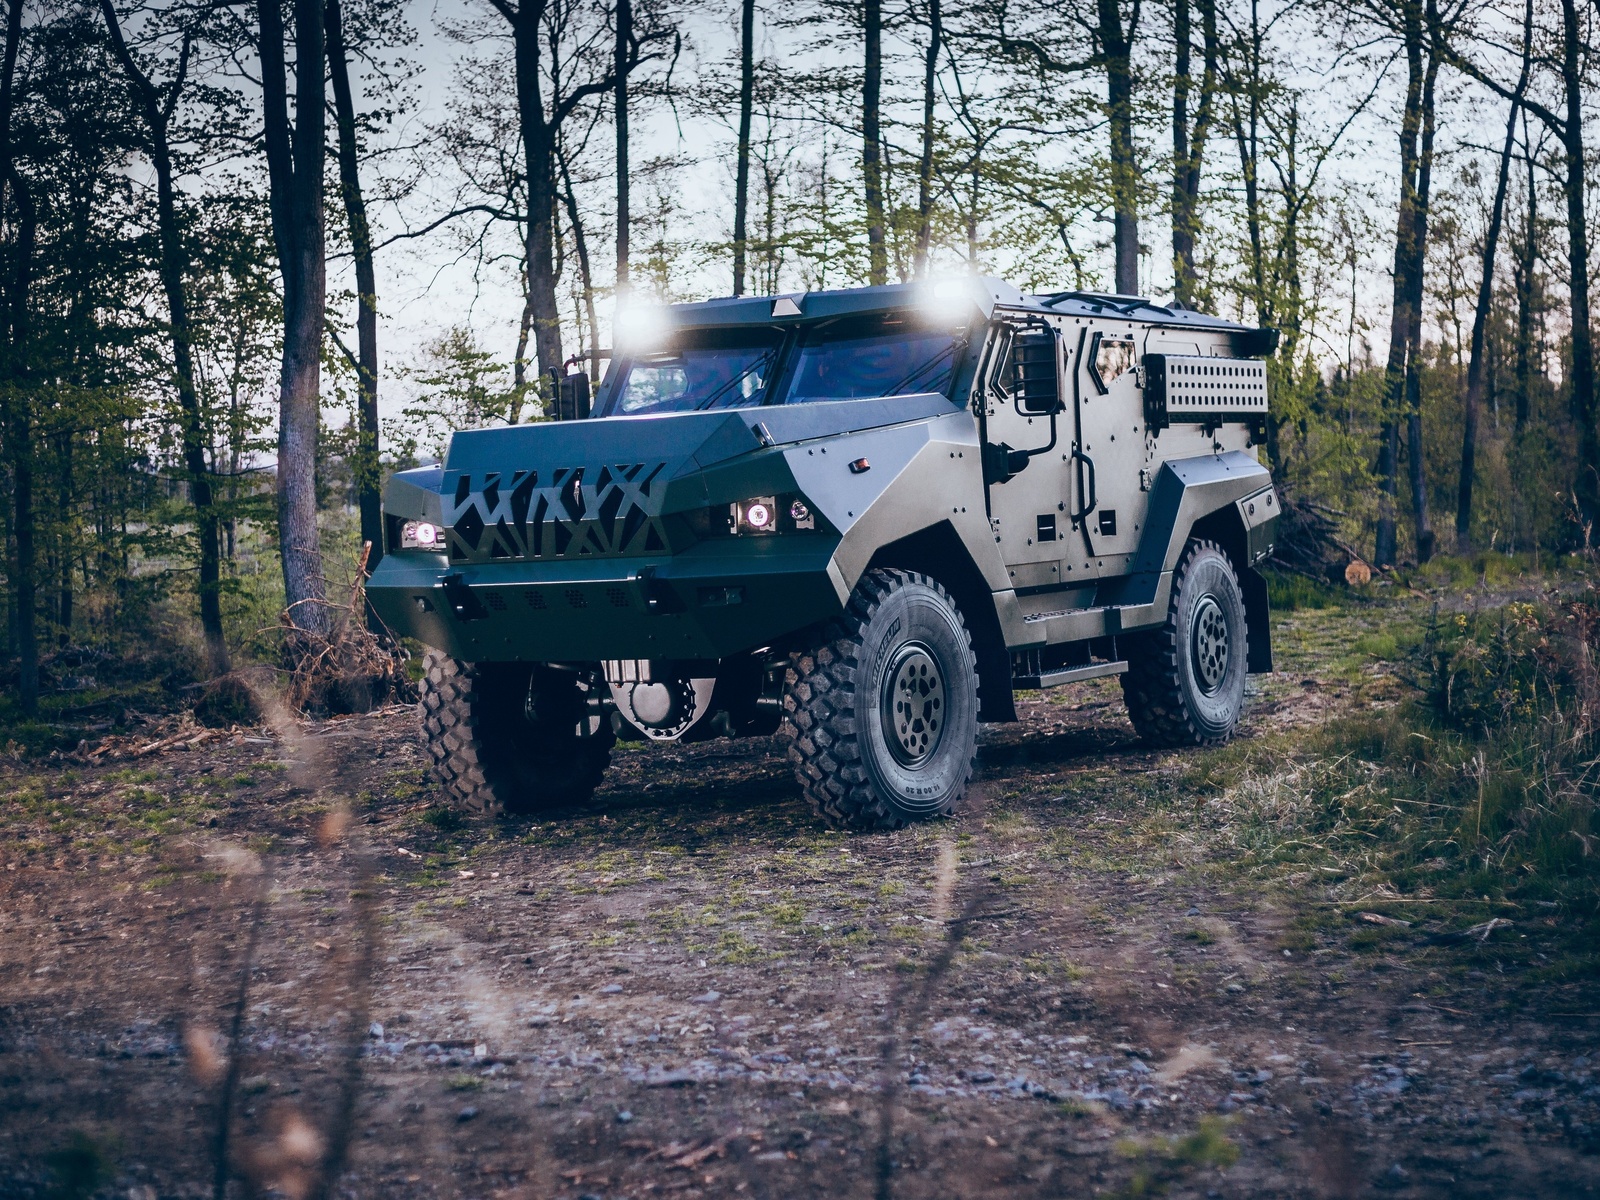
x=1483, y=786
x=460, y=386
x=1289, y=590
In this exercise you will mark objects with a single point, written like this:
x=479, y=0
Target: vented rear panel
x=1186, y=389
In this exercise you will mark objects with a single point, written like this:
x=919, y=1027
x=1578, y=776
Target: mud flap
x=1257, y=621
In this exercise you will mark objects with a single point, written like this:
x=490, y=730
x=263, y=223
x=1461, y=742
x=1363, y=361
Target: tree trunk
x=741, y=185
x=1117, y=46
x=585, y=275
x=930, y=77
x=620, y=70
x=1188, y=145
x=1476, y=372
x=1416, y=459
x=1247, y=136
x=538, y=154
x=294, y=164
x=1522, y=277
x=519, y=367
x=1583, y=397
x=174, y=267
x=871, y=142
x=369, y=469
x=18, y=420
x=1384, y=551
x=64, y=493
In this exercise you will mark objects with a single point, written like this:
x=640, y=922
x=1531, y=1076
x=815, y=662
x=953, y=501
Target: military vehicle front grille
x=569, y=512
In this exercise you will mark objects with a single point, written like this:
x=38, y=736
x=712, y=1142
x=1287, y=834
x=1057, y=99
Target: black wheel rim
x=1209, y=644
x=913, y=704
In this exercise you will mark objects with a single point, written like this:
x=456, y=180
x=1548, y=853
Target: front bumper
x=713, y=600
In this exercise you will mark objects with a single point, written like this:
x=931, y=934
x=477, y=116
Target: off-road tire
x=842, y=710
x=487, y=755
x=1169, y=697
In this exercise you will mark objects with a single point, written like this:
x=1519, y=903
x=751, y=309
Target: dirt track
x=690, y=988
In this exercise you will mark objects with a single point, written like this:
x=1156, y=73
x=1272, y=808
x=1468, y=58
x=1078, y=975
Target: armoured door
x=1027, y=452
x=1112, y=467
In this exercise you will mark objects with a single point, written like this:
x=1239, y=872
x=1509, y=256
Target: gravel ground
x=689, y=987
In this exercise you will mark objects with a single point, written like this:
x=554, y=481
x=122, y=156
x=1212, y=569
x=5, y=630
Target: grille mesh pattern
x=568, y=512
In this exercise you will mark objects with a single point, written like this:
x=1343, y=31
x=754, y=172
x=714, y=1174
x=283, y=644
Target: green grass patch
x=1288, y=591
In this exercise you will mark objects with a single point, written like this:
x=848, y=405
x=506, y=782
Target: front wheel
x=1185, y=681
x=510, y=737
x=881, y=712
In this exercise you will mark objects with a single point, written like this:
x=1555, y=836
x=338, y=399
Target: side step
x=1050, y=679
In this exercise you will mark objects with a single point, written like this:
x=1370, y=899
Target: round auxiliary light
x=798, y=511
x=759, y=516
x=427, y=533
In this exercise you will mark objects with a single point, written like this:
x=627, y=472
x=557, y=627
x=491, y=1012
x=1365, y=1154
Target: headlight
x=421, y=535
x=756, y=515
x=770, y=514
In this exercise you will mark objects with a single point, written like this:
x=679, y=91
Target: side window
x=1113, y=357
x=653, y=386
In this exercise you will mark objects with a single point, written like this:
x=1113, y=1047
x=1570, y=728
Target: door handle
x=1078, y=456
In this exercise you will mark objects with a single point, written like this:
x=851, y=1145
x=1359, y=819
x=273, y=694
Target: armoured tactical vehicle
x=863, y=519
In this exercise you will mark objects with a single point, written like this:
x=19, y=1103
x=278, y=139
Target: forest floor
x=689, y=987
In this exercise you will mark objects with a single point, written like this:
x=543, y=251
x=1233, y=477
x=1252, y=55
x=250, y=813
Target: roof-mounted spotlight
x=787, y=306
x=949, y=300
x=642, y=326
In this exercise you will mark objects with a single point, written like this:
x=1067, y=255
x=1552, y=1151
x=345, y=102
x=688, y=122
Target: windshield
x=856, y=359
x=866, y=359
x=707, y=369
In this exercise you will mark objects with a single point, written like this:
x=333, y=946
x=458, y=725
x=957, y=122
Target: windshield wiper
x=899, y=389
x=710, y=400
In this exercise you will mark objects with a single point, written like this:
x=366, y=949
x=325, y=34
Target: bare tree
x=619, y=73
x=294, y=167
x=1189, y=141
x=156, y=110
x=930, y=79
x=18, y=419
x=1419, y=75
x=741, y=183
x=539, y=27
x=1568, y=129
x=872, y=140
x=1476, y=372
x=1115, y=42
x=367, y=468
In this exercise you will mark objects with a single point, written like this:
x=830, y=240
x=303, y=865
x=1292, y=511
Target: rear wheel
x=1185, y=681
x=505, y=737
x=881, y=713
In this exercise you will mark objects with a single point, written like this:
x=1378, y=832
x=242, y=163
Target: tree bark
x=1416, y=460
x=1522, y=278
x=1583, y=375
x=1117, y=47
x=369, y=471
x=930, y=78
x=1476, y=371
x=585, y=275
x=174, y=268
x=1384, y=551
x=741, y=183
x=620, y=71
x=537, y=145
x=1188, y=145
x=294, y=167
x=872, y=142
x=18, y=419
